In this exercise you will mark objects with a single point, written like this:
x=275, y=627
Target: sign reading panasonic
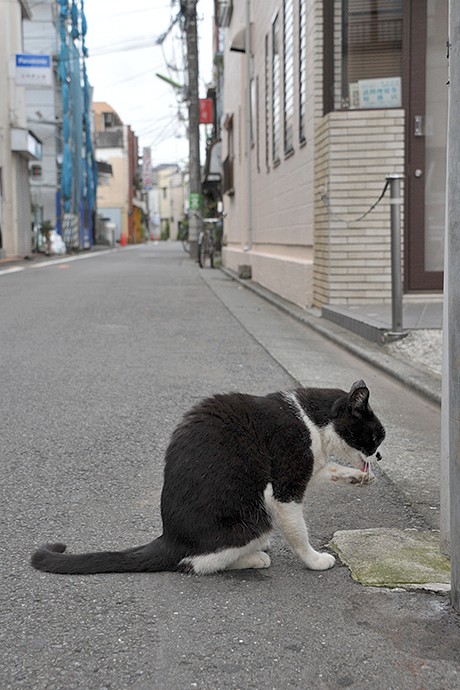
x=34, y=70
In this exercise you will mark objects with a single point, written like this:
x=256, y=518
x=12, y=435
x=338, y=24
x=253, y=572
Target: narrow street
x=100, y=357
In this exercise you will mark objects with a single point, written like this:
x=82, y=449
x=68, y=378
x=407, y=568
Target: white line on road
x=14, y=269
x=56, y=262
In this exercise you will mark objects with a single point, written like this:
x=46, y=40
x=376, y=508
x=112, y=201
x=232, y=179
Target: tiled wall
x=355, y=150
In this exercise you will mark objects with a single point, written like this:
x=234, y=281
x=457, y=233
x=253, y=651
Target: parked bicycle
x=207, y=242
x=183, y=236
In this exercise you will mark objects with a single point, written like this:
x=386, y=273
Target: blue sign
x=34, y=70
x=33, y=60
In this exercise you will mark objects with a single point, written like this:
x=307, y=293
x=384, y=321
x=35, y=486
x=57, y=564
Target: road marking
x=14, y=269
x=67, y=260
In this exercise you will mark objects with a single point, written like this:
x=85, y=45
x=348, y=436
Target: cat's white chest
x=320, y=455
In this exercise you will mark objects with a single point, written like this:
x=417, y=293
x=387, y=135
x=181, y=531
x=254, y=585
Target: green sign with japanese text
x=195, y=201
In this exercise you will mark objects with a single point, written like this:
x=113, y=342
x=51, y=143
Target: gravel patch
x=422, y=349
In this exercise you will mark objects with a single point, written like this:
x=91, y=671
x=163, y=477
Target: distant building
x=44, y=113
x=117, y=145
x=166, y=200
x=18, y=143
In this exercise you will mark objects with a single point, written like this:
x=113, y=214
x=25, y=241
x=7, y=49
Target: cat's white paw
x=261, y=560
x=362, y=478
x=320, y=561
x=348, y=475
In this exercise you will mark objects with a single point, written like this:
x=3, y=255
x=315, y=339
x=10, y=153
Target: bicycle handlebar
x=206, y=220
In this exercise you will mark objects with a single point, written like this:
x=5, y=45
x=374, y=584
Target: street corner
x=394, y=558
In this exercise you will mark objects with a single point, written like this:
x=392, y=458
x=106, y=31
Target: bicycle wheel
x=203, y=255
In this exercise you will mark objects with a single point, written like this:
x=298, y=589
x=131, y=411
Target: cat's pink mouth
x=364, y=466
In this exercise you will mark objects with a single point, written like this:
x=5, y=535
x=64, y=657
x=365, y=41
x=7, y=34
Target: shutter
x=372, y=39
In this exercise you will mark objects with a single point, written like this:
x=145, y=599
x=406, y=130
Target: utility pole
x=452, y=328
x=188, y=8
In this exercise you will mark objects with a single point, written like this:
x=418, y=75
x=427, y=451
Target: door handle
x=418, y=172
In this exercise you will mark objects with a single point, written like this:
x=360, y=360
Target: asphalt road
x=99, y=359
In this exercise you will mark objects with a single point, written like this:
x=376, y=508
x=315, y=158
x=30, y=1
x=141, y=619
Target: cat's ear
x=359, y=396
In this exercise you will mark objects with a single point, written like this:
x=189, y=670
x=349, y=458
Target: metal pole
x=396, y=279
x=247, y=45
x=194, y=226
x=453, y=296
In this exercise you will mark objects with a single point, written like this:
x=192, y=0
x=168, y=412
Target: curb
x=417, y=379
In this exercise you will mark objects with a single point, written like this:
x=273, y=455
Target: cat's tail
x=153, y=557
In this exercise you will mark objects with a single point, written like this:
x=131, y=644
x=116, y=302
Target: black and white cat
x=236, y=464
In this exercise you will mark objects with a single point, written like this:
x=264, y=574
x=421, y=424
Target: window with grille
x=276, y=90
x=288, y=75
x=302, y=68
x=267, y=102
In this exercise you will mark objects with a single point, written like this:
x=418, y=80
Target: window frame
x=276, y=89
x=336, y=84
x=288, y=76
x=302, y=81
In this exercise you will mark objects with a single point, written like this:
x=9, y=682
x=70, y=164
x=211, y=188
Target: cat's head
x=356, y=424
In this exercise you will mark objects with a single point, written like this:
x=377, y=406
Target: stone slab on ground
x=381, y=557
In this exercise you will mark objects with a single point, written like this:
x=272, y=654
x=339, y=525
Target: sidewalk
x=414, y=361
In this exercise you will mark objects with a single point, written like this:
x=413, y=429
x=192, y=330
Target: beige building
x=331, y=98
x=116, y=145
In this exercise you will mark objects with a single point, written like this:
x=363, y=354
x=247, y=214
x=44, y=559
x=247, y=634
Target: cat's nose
x=378, y=456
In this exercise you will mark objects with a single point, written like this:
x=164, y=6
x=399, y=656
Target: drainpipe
x=247, y=45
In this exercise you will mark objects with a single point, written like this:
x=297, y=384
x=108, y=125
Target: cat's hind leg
x=235, y=558
x=258, y=559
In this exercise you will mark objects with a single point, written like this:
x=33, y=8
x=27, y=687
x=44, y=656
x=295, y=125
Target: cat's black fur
x=220, y=459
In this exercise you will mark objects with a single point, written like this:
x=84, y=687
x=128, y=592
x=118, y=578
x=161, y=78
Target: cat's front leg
x=344, y=475
x=289, y=517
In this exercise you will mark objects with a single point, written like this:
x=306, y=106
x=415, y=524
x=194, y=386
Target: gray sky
x=123, y=61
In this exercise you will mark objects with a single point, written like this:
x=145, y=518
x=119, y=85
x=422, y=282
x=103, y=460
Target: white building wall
x=43, y=109
x=167, y=198
x=281, y=255
x=15, y=217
